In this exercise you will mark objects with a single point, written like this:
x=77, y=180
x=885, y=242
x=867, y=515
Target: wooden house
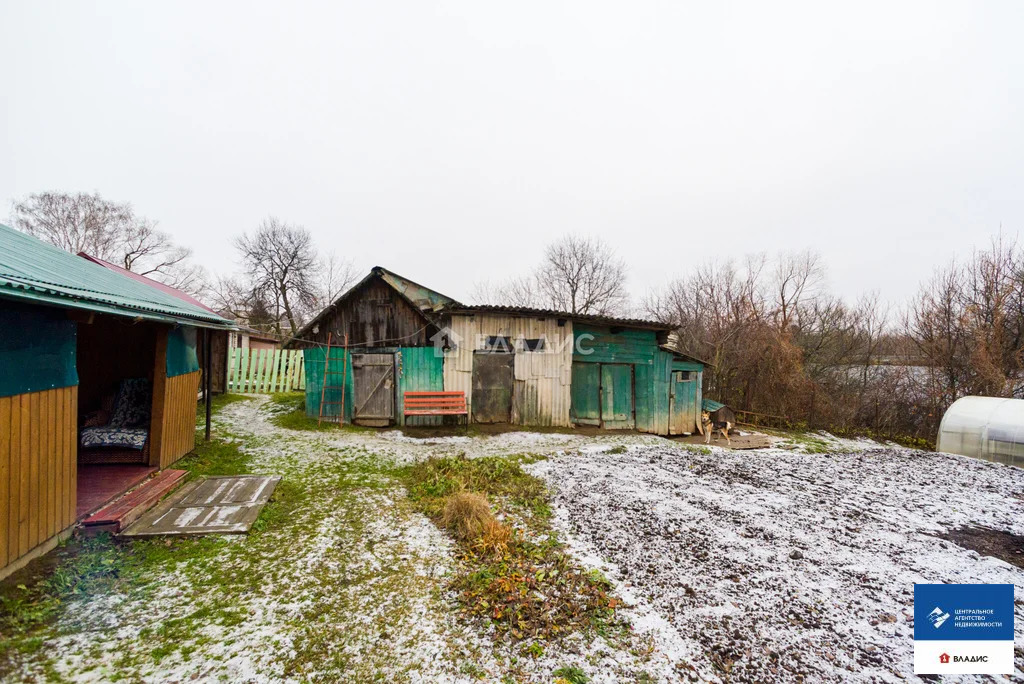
x=99, y=375
x=515, y=365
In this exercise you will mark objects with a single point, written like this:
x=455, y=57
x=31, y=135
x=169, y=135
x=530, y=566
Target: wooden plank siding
x=178, y=436
x=172, y=431
x=37, y=469
x=373, y=315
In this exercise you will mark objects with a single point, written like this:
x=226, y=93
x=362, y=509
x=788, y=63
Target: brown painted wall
x=38, y=470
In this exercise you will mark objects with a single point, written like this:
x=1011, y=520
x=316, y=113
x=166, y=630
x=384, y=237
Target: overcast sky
x=449, y=142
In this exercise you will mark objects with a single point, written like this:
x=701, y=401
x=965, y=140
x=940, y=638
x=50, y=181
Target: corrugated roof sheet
x=147, y=281
x=33, y=270
x=550, y=313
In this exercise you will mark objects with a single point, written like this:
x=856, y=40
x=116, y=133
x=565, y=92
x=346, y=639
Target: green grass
x=528, y=588
x=98, y=565
x=572, y=674
x=218, y=402
x=290, y=413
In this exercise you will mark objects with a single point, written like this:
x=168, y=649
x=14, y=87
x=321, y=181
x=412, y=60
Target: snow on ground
x=776, y=565
x=764, y=565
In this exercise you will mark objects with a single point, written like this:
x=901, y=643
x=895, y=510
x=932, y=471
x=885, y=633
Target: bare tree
x=111, y=231
x=76, y=223
x=583, y=275
x=518, y=291
x=795, y=281
x=283, y=268
x=335, y=276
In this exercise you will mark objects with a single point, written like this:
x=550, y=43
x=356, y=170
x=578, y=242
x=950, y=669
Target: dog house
x=991, y=428
x=99, y=377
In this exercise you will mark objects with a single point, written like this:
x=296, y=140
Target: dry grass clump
x=495, y=540
x=466, y=515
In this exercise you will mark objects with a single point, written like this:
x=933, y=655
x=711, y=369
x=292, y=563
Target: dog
x=711, y=425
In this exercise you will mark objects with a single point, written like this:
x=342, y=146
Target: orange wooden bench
x=436, y=404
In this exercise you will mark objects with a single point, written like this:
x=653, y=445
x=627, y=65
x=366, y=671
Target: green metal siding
x=418, y=370
x=652, y=371
x=181, y=351
x=37, y=349
x=313, y=360
x=617, y=395
x=585, y=406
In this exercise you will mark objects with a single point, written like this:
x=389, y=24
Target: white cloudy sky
x=450, y=141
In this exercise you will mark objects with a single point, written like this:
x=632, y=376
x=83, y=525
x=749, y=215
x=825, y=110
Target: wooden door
x=617, y=396
x=585, y=405
x=492, y=387
x=373, y=387
x=682, y=402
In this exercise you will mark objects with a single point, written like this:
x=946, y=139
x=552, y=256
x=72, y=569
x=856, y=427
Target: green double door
x=602, y=394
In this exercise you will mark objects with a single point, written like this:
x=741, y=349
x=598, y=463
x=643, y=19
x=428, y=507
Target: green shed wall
x=37, y=349
x=652, y=367
x=418, y=370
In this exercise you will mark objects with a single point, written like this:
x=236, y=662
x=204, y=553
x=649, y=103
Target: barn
x=515, y=365
x=380, y=338
x=99, y=375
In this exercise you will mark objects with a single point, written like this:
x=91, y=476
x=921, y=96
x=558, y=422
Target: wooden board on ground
x=212, y=505
x=739, y=442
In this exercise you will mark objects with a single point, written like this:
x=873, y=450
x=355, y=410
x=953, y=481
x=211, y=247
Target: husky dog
x=711, y=425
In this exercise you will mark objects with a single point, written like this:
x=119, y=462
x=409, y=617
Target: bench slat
x=435, y=404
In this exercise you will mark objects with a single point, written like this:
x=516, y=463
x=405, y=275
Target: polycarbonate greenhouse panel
x=991, y=428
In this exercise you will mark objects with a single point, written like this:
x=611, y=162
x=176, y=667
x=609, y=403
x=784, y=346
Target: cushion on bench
x=129, y=438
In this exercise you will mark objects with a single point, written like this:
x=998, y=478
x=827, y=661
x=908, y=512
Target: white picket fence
x=262, y=371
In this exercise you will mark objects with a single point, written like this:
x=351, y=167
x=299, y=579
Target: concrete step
x=122, y=512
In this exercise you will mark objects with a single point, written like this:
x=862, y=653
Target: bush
x=466, y=515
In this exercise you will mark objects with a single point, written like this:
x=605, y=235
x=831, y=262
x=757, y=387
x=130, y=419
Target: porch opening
x=116, y=360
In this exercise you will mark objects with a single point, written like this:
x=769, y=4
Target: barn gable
x=384, y=309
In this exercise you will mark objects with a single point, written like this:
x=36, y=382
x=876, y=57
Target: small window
x=498, y=345
x=534, y=345
x=684, y=376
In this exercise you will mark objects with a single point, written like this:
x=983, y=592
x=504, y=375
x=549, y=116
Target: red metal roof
x=148, y=281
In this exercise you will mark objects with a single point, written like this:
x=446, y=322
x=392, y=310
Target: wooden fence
x=262, y=371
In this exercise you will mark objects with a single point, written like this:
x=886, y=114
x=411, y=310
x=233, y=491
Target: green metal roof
x=712, y=405
x=35, y=271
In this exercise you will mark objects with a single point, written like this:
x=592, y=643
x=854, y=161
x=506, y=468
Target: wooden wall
x=110, y=349
x=38, y=470
x=373, y=316
x=173, y=425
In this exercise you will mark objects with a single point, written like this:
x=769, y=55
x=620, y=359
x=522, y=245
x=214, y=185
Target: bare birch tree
x=110, y=231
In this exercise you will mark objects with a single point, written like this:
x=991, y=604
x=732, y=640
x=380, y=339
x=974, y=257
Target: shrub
x=466, y=515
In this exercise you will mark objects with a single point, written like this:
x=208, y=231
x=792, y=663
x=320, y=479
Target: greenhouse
x=991, y=428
